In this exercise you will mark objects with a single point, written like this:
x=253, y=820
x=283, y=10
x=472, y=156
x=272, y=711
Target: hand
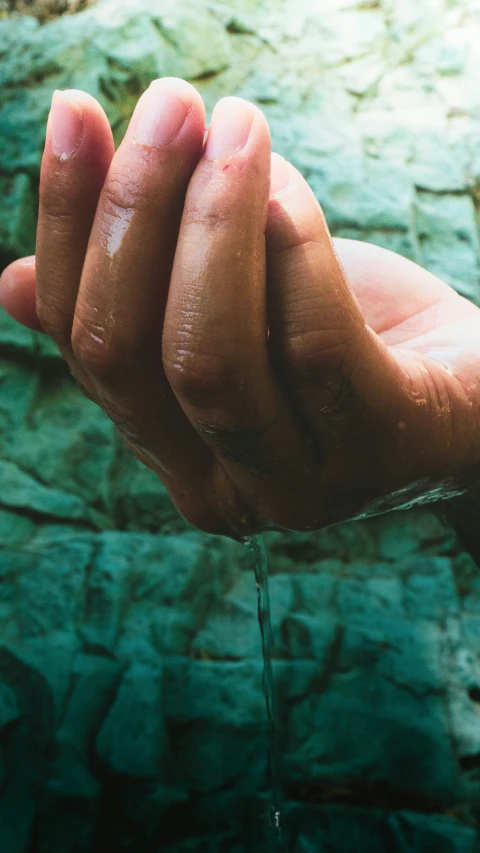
x=272, y=378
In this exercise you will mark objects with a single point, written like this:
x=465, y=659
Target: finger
x=116, y=334
x=78, y=151
x=17, y=292
x=338, y=370
x=215, y=334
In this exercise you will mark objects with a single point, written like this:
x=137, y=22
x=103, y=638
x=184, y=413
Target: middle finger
x=117, y=329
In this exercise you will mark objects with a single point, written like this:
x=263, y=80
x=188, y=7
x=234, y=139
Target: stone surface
x=132, y=713
x=132, y=738
x=376, y=670
x=18, y=220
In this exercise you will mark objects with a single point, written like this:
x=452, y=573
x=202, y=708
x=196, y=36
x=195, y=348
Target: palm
x=408, y=307
x=435, y=335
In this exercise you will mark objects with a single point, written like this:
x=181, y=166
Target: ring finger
x=215, y=348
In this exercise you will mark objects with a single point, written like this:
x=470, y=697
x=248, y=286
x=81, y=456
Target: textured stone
x=19, y=387
x=440, y=164
x=132, y=737
x=434, y=595
x=107, y=593
x=9, y=709
x=382, y=731
x=223, y=744
x=131, y=701
x=112, y=50
x=94, y=682
x=14, y=528
x=364, y=197
x=60, y=425
x=372, y=830
x=18, y=221
x=189, y=30
x=20, y=490
x=140, y=501
x=448, y=237
x=12, y=335
x=231, y=631
x=171, y=629
x=52, y=588
x=309, y=637
x=25, y=750
x=53, y=657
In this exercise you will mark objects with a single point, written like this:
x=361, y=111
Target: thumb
x=337, y=370
x=17, y=292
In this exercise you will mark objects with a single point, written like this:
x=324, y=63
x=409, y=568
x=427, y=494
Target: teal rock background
x=131, y=708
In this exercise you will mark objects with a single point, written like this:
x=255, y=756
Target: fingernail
x=280, y=175
x=230, y=127
x=162, y=115
x=65, y=125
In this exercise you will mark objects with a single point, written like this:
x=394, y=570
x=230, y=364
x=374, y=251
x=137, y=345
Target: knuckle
x=227, y=516
x=124, y=419
x=122, y=192
x=95, y=360
x=214, y=212
x=108, y=356
x=93, y=350
x=317, y=355
x=241, y=444
x=198, y=379
x=59, y=200
x=55, y=320
x=197, y=386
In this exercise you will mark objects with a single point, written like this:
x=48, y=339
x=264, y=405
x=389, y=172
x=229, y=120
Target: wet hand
x=272, y=378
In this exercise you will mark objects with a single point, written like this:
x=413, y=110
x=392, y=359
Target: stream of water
x=256, y=545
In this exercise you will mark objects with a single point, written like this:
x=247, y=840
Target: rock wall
x=131, y=708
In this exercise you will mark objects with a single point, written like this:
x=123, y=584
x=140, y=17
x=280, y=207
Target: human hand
x=209, y=315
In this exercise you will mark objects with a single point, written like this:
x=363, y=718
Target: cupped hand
x=271, y=377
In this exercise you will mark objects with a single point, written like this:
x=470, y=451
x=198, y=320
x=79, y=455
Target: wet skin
x=271, y=377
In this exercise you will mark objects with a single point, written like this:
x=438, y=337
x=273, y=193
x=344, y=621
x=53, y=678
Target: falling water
x=256, y=545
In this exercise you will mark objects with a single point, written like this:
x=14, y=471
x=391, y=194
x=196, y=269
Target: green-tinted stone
x=131, y=699
x=132, y=738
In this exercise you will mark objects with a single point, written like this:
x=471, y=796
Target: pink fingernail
x=230, y=127
x=65, y=126
x=163, y=114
